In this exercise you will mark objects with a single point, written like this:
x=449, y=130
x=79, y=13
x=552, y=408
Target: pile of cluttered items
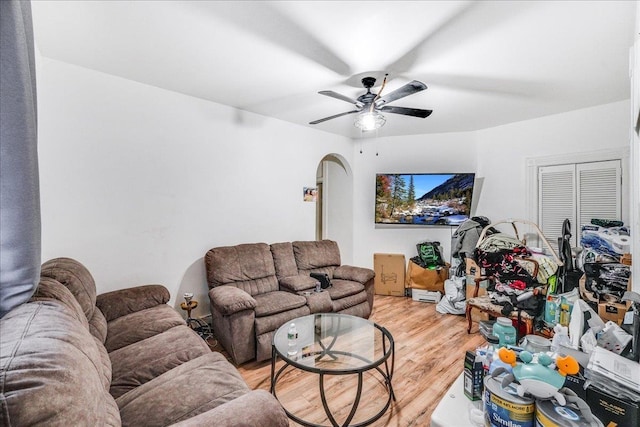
x=577, y=363
x=429, y=278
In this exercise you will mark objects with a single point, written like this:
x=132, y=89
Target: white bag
x=577, y=322
x=453, y=301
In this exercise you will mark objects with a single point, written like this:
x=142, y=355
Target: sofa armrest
x=356, y=274
x=126, y=301
x=257, y=408
x=228, y=300
x=297, y=283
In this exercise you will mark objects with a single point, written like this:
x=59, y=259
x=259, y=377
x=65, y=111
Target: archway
x=334, y=210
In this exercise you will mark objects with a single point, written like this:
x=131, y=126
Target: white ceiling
x=485, y=63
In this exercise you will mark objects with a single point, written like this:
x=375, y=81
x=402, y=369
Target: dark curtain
x=19, y=187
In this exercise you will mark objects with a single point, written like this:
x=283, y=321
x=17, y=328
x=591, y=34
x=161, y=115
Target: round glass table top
x=337, y=343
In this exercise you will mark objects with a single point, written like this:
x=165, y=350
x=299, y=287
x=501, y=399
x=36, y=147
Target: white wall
x=338, y=204
x=138, y=183
x=437, y=153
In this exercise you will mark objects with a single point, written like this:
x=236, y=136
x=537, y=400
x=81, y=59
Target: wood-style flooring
x=429, y=355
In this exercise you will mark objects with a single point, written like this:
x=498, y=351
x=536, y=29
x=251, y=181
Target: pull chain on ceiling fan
x=369, y=105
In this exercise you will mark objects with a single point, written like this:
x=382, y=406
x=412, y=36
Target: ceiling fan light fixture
x=369, y=120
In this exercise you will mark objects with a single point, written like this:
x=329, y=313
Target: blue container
x=505, y=331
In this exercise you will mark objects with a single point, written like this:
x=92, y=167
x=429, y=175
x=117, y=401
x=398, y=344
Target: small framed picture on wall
x=310, y=194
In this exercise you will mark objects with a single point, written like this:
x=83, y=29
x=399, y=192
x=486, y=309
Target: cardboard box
x=389, y=269
x=612, y=311
x=425, y=278
x=625, y=259
x=611, y=410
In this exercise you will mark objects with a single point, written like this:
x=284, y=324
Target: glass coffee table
x=331, y=344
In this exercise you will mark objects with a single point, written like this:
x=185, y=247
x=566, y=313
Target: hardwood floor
x=429, y=355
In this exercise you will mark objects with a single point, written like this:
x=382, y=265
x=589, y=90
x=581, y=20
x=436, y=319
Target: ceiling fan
x=369, y=105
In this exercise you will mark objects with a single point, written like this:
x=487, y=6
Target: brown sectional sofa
x=71, y=358
x=255, y=288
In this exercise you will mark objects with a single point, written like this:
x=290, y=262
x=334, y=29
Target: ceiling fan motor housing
x=368, y=82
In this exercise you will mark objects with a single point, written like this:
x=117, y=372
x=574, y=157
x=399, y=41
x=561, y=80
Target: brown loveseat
x=69, y=358
x=255, y=288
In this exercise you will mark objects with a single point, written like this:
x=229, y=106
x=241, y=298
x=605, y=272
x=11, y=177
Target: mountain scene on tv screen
x=427, y=199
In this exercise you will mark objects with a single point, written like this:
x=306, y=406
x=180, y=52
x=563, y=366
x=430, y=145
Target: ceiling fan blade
x=269, y=22
x=341, y=97
x=415, y=112
x=463, y=23
x=406, y=90
x=407, y=61
x=315, y=122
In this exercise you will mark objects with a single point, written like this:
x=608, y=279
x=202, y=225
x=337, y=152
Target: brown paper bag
x=423, y=278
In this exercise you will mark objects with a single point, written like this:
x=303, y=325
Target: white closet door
x=579, y=192
x=599, y=187
x=556, y=200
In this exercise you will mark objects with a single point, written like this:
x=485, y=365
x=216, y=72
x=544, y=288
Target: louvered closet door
x=579, y=192
x=599, y=187
x=556, y=200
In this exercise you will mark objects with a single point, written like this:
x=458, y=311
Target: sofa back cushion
x=248, y=266
x=76, y=278
x=284, y=260
x=316, y=256
x=52, y=370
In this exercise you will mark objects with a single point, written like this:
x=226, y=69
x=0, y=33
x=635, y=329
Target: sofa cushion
x=277, y=302
x=356, y=274
x=140, y=325
x=344, y=288
x=144, y=360
x=76, y=278
x=311, y=255
x=51, y=370
x=284, y=260
x=194, y=387
x=248, y=266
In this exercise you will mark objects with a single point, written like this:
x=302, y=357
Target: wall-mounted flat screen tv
x=424, y=198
